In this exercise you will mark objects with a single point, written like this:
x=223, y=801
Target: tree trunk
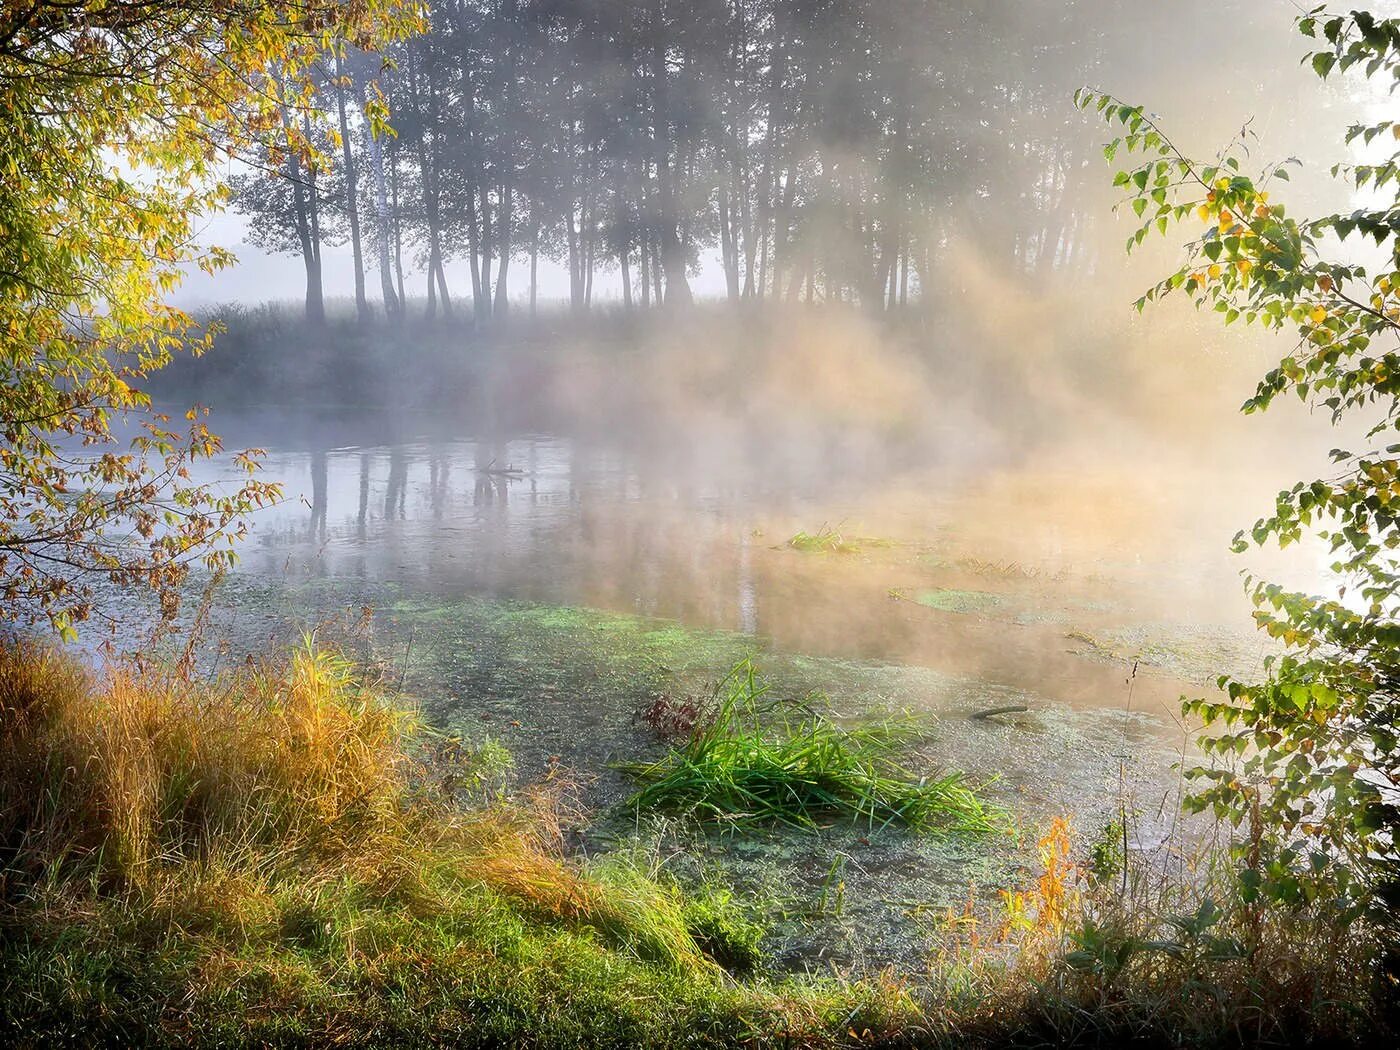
x=479, y=312
x=502, y=292
x=484, y=209
x=307, y=231
x=393, y=302
x=672, y=254
x=534, y=264
x=352, y=194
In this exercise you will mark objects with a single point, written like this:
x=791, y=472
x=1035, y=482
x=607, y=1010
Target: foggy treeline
x=817, y=150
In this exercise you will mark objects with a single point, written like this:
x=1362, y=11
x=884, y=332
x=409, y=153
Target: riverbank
x=286, y=857
x=753, y=360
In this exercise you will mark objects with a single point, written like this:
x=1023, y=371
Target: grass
x=756, y=761
x=946, y=600
x=275, y=859
x=829, y=540
x=826, y=540
x=270, y=859
x=1159, y=950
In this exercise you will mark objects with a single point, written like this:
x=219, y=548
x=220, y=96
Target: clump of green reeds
x=760, y=761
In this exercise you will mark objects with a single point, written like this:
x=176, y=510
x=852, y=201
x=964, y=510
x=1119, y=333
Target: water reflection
x=319, y=496
x=662, y=533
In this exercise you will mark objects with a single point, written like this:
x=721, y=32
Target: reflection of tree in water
x=491, y=484
x=395, y=497
x=439, y=476
x=319, y=495
x=362, y=517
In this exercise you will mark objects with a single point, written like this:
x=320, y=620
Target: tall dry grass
x=1162, y=949
x=166, y=793
x=121, y=778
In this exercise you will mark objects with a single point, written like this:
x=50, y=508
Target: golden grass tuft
x=127, y=776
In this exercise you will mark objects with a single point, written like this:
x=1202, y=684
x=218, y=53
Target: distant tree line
x=821, y=150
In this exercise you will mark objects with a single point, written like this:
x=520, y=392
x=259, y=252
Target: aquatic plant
x=826, y=540
x=764, y=761
x=947, y=600
x=672, y=718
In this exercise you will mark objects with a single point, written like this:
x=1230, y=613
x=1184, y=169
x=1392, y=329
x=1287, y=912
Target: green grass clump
x=724, y=928
x=764, y=762
x=829, y=540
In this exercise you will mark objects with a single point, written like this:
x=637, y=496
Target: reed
x=826, y=540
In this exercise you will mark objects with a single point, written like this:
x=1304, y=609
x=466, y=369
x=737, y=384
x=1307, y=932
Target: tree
x=1309, y=755
x=114, y=118
x=285, y=198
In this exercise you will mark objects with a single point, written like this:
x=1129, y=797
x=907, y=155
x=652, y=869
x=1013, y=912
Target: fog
x=911, y=334
x=666, y=334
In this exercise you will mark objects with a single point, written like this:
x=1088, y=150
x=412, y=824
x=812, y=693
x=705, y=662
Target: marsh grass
x=826, y=540
x=759, y=761
x=959, y=601
x=1159, y=949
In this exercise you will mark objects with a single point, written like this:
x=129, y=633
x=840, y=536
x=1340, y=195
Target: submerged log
x=992, y=712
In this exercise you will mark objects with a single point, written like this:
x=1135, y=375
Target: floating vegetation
x=762, y=761
x=1005, y=570
x=672, y=718
x=825, y=540
x=949, y=600
x=829, y=540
